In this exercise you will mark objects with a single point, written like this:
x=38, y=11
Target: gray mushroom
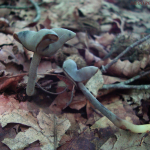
x=45, y=42
x=77, y=76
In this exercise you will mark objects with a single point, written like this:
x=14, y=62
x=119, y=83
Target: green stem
x=30, y=90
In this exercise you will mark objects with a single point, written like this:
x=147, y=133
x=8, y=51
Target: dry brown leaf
x=95, y=83
x=105, y=40
x=6, y=39
x=19, y=116
x=105, y=127
x=47, y=23
x=124, y=68
x=6, y=55
x=85, y=140
x=41, y=128
x=24, y=139
x=60, y=102
x=135, y=97
x=89, y=112
x=28, y=53
x=127, y=140
x=10, y=82
x=114, y=104
x=110, y=80
x=78, y=102
x=46, y=123
x=68, y=82
x=9, y=103
x=2, y=67
x=97, y=48
x=90, y=57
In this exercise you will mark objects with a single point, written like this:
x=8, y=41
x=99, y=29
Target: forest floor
x=104, y=30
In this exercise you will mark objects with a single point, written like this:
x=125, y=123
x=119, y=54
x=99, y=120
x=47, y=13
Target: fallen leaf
x=95, y=83
x=10, y=82
x=127, y=140
x=46, y=123
x=106, y=39
x=24, y=139
x=124, y=68
x=19, y=116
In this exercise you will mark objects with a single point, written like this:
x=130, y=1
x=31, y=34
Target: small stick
x=105, y=68
x=21, y=7
x=55, y=133
x=123, y=85
x=38, y=12
x=142, y=140
x=136, y=77
x=70, y=98
x=48, y=92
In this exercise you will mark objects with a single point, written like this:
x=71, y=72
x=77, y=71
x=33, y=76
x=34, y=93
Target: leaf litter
x=79, y=125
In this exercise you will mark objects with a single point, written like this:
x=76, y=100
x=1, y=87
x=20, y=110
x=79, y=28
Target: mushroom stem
x=30, y=90
x=122, y=124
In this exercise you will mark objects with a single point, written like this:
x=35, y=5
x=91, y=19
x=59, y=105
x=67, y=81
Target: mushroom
x=78, y=76
x=45, y=42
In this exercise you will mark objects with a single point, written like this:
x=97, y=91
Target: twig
x=38, y=12
x=50, y=92
x=123, y=85
x=105, y=68
x=70, y=98
x=136, y=77
x=55, y=133
x=21, y=7
x=143, y=138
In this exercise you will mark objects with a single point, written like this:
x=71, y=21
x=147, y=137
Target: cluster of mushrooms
x=47, y=42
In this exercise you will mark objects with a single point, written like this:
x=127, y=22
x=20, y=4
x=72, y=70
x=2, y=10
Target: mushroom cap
x=41, y=41
x=32, y=40
x=70, y=67
x=64, y=35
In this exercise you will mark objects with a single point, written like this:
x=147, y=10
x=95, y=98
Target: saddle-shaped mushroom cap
x=70, y=67
x=41, y=41
x=32, y=40
x=64, y=35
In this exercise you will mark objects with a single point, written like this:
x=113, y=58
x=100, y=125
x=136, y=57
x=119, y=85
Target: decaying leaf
x=10, y=82
x=41, y=129
x=135, y=97
x=19, y=116
x=105, y=39
x=95, y=83
x=128, y=141
x=110, y=79
x=125, y=68
x=78, y=102
x=46, y=123
x=23, y=139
